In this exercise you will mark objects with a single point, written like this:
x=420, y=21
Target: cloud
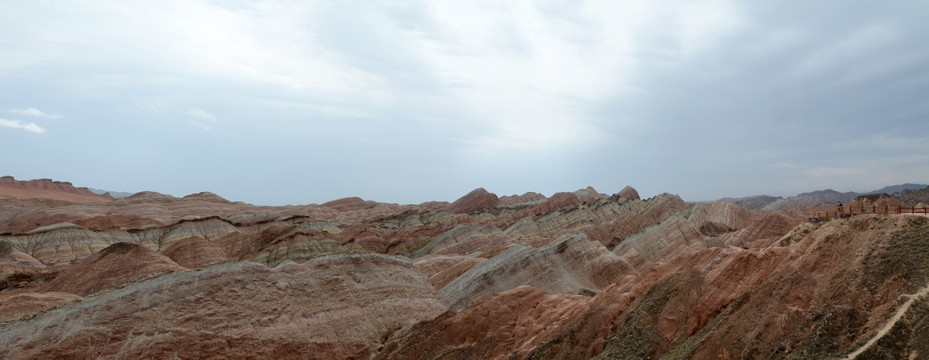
x=202, y=125
x=31, y=111
x=515, y=77
x=152, y=104
x=694, y=98
x=267, y=42
x=16, y=124
x=202, y=114
x=530, y=76
x=204, y=119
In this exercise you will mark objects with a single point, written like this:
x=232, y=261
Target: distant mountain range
x=114, y=194
x=908, y=193
x=898, y=188
x=827, y=196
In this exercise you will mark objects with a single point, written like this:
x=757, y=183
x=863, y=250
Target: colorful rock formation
x=330, y=308
x=575, y=275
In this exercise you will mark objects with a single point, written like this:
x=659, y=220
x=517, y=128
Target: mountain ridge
x=579, y=274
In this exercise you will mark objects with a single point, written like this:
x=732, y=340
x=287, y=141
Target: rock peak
x=477, y=199
x=206, y=196
x=149, y=196
x=588, y=195
x=117, y=264
x=629, y=193
x=349, y=203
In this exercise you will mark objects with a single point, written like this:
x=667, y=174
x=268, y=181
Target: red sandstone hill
x=11, y=188
x=115, y=265
x=822, y=295
x=576, y=275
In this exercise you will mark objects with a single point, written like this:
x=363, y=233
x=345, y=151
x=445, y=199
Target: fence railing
x=912, y=210
x=848, y=211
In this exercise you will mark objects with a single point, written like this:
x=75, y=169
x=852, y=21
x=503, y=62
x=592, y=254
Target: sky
x=297, y=102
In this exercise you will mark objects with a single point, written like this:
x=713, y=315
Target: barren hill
x=577, y=275
x=913, y=197
x=11, y=188
x=753, y=202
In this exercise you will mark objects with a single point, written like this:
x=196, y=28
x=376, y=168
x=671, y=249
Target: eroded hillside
x=575, y=275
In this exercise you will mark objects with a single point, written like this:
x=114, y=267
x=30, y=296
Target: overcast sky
x=295, y=102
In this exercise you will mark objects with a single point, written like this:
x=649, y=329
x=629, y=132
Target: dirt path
x=890, y=324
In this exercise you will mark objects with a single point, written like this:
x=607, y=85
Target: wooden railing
x=846, y=211
x=912, y=210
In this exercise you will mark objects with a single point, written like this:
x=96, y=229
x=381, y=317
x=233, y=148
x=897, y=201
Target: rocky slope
x=11, y=188
x=328, y=308
x=116, y=265
x=753, y=202
x=913, y=197
x=821, y=295
x=575, y=275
